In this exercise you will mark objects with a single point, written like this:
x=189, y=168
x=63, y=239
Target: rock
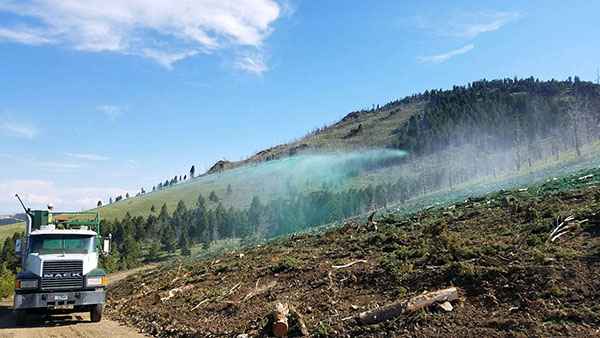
x=446, y=306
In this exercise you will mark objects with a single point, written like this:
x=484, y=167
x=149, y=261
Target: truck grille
x=62, y=275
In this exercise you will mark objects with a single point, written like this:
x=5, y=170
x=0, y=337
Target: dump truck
x=59, y=265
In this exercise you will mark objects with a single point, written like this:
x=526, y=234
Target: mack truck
x=59, y=264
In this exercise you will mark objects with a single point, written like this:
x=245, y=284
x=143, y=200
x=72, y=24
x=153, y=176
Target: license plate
x=61, y=297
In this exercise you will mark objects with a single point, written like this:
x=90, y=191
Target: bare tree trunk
x=450, y=173
x=576, y=135
x=423, y=179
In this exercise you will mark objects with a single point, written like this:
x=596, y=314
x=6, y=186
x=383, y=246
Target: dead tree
x=575, y=113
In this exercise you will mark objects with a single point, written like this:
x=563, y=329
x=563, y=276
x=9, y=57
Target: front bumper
x=53, y=299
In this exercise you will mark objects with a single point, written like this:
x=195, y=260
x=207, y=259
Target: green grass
x=9, y=230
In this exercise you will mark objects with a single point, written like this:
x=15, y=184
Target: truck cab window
x=63, y=243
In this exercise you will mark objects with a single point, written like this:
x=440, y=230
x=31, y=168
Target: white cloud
x=443, y=57
x=38, y=193
x=112, y=112
x=18, y=129
x=24, y=35
x=133, y=161
x=466, y=25
x=165, y=31
x=59, y=166
x=252, y=63
x=91, y=157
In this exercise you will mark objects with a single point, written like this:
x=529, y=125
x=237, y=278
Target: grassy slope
x=512, y=281
x=249, y=181
x=378, y=130
x=9, y=230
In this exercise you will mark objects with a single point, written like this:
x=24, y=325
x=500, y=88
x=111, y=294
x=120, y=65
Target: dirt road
x=65, y=325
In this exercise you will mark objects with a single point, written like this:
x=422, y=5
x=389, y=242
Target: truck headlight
x=26, y=284
x=96, y=281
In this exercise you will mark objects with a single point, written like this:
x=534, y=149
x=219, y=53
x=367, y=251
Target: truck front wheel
x=96, y=312
x=20, y=316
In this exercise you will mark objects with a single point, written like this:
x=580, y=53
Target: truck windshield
x=62, y=243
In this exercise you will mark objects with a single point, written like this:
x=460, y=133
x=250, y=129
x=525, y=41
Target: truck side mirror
x=106, y=245
x=18, y=246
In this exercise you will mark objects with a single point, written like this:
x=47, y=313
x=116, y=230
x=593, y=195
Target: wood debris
x=349, y=264
x=172, y=293
x=371, y=225
x=404, y=306
x=301, y=321
x=446, y=306
x=280, y=320
x=258, y=290
x=565, y=226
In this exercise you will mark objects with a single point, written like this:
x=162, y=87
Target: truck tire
x=20, y=317
x=96, y=313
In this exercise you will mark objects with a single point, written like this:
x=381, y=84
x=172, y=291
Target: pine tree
x=185, y=245
x=213, y=197
x=168, y=240
x=164, y=214
x=131, y=252
x=154, y=251
x=7, y=255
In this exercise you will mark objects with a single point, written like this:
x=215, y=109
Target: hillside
x=451, y=137
x=11, y=219
x=512, y=279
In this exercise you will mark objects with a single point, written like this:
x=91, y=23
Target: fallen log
x=403, y=306
x=280, y=320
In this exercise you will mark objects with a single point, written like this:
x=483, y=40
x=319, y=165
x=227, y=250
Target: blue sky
x=102, y=98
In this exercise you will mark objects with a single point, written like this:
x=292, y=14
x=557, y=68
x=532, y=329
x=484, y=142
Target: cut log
x=280, y=320
x=392, y=310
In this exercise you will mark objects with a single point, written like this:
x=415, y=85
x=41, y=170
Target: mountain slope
x=480, y=130
x=512, y=279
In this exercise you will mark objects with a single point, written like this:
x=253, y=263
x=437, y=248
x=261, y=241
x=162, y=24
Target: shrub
x=7, y=280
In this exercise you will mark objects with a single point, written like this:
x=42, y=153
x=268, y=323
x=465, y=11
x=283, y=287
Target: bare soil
x=513, y=281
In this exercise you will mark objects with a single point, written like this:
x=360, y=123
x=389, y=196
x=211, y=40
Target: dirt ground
x=496, y=249
x=65, y=325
